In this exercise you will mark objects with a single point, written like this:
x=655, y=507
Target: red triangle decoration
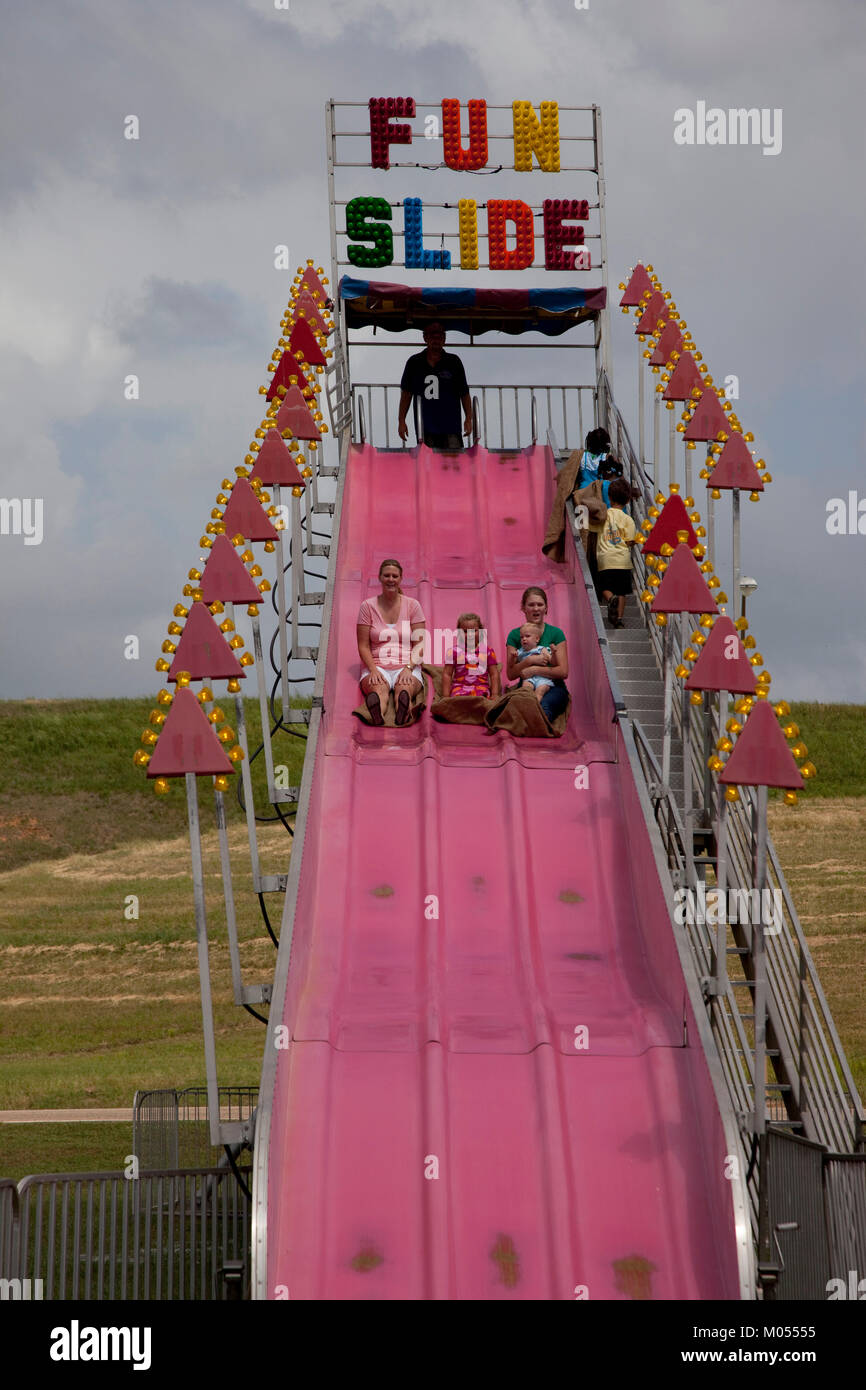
x=226, y=578
x=245, y=515
x=672, y=518
x=708, y=418
x=657, y=308
x=287, y=367
x=736, y=467
x=715, y=669
x=311, y=282
x=187, y=742
x=303, y=339
x=670, y=341
x=295, y=415
x=683, y=588
x=684, y=377
x=274, y=465
x=637, y=287
x=305, y=307
x=203, y=651
x=761, y=757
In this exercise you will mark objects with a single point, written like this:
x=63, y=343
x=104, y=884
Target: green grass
x=835, y=736
x=91, y=1147
x=70, y=785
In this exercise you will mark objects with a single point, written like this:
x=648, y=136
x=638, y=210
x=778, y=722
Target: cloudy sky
x=156, y=257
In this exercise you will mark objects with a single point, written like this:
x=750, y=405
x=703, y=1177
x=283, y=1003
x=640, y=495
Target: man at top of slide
x=438, y=377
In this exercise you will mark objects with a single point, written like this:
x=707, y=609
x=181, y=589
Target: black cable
x=237, y=1172
x=251, y=1010
x=261, y=898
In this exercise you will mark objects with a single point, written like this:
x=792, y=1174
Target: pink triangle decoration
x=657, y=308
x=287, y=367
x=226, y=578
x=295, y=415
x=735, y=467
x=723, y=664
x=305, y=307
x=683, y=588
x=761, y=757
x=684, y=377
x=670, y=341
x=274, y=465
x=244, y=515
x=203, y=651
x=672, y=518
x=637, y=287
x=709, y=418
x=187, y=742
x=303, y=339
x=311, y=282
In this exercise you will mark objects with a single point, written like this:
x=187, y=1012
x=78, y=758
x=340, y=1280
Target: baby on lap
x=530, y=645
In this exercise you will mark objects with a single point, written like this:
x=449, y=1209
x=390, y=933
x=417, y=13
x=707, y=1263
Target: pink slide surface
x=487, y=1093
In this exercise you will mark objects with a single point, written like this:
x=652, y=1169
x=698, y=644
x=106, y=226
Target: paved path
x=64, y=1117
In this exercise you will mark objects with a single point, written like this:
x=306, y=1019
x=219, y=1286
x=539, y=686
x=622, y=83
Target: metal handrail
x=362, y=424
x=502, y=413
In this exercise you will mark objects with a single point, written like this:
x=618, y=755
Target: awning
x=397, y=308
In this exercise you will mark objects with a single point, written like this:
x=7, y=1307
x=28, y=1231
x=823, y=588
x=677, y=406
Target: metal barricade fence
x=107, y=1236
x=8, y=1228
x=170, y=1128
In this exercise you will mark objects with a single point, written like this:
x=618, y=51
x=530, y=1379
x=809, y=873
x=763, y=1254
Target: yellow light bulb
x=161, y=786
x=696, y=697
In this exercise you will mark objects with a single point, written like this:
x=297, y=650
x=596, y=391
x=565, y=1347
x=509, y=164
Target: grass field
x=94, y=1005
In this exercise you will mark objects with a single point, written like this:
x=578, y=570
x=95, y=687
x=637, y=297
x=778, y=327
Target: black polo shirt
x=441, y=389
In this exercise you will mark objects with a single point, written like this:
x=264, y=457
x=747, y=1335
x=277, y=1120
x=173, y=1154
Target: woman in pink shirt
x=390, y=631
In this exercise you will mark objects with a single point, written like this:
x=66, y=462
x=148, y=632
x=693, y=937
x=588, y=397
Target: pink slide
x=494, y=1085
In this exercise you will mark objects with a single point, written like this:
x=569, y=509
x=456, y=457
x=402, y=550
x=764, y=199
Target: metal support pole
x=264, y=709
x=246, y=777
x=721, y=982
x=229, y=898
x=641, y=406
x=735, y=496
x=213, y=1103
x=760, y=968
x=689, y=472
x=297, y=560
x=711, y=524
x=669, y=701
x=657, y=410
x=672, y=449
x=688, y=798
